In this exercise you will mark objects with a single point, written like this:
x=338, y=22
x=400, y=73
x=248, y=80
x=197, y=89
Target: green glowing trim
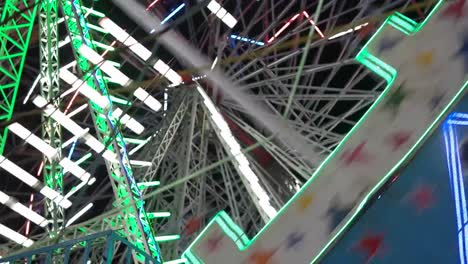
x=129, y=198
x=15, y=35
x=387, y=72
x=119, y=101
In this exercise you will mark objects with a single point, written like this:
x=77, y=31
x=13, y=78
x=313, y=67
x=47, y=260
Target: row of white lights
x=222, y=13
x=235, y=149
x=140, y=50
x=243, y=164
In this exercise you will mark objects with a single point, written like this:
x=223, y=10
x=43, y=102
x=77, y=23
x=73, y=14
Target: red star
x=187, y=78
x=192, y=225
x=398, y=139
x=261, y=257
x=455, y=9
x=366, y=30
x=422, y=197
x=354, y=155
x=214, y=242
x=370, y=245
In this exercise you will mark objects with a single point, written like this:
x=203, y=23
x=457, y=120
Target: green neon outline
x=11, y=71
x=387, y=72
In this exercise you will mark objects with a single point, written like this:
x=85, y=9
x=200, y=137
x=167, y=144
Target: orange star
x=261, y=257
x=425, y=59
x=305, y=201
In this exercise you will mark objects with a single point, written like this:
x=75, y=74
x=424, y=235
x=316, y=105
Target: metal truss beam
x=164, y=138
x=49, y=82
x=137, y=227
x=16, y=23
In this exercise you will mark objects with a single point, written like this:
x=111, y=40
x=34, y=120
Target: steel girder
x=16, y=23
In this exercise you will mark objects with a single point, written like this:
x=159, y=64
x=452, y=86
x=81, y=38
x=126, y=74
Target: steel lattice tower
x=158, y=188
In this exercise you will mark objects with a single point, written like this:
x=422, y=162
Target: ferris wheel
x=113, y=123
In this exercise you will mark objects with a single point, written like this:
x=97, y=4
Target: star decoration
x=436, y=101
x=388, y=43
x=455, y=9
x=398, y=139
x=355, y=155
x=214, y=242
x=294, y=239
x=187, y=79
x=395, y=99
x=192, y=225
x=261, y=257
x=463, y=51
x=370, y=245
x=337, y=213
x=422, y=197
x=304, y=201
x=425, y=59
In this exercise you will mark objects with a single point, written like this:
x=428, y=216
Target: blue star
x=337, y=214
x=463, y=51
x=294, y=239
x=388, y=43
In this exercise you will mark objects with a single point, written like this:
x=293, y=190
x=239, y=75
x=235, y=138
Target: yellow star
x=425, y=58
x=305, y=201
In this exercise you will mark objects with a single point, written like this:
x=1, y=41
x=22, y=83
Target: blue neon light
x=247, y=40
x=173, y=13
x=457, y=181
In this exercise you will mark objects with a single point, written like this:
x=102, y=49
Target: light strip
x=125, y=38
x=222, y=13
x=48, y=151
x=74, y=128
x=148, y=184
x=139, y=50
x=457, y=180
x=135, y=149
x=70, y=166
x=121, y=79
x=340, y=34
x=140, y=163
x=79, y=214
x=159, y=214
x=215, y=62
x=29, y=214
x=234, y=147
x=83, y=88
x=33, y=140
x=33, y=182
x=77, y=110
x=14, y=236
x=172, y=13
x=151, y=5
x=84, y=158
x=176, y=261
x=166, y=238
x=33, y=86
x=283, y=28
x=313, y=24
x=259, y=43
x=75, y=189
